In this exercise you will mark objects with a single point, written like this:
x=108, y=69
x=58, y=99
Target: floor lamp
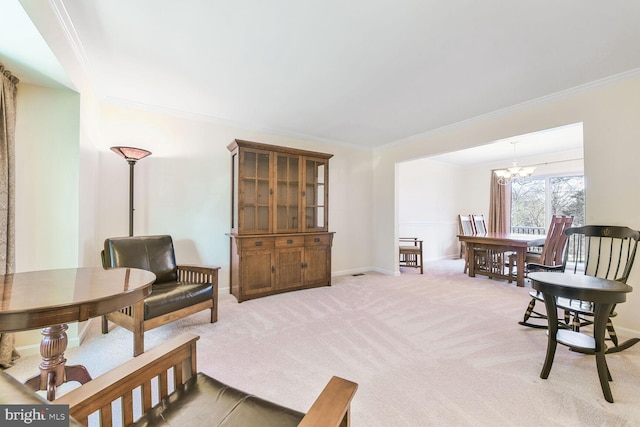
x=131, y=155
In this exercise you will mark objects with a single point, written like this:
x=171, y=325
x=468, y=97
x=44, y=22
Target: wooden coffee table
x=50, y=299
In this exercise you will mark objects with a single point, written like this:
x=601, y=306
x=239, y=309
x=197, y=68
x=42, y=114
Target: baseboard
x=361, y=270
x=628, y=333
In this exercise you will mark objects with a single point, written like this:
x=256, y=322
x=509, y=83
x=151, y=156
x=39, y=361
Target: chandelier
x=508, y=175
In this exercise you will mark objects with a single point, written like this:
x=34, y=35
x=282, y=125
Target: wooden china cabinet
x=279, y=231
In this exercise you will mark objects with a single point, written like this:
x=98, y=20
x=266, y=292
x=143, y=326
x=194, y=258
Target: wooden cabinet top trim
x=270, y=235
x=286, y=150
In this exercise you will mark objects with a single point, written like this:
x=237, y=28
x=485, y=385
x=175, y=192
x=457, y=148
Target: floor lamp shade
x=131, y=155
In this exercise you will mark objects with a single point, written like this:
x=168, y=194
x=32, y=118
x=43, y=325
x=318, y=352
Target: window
x=535, y=200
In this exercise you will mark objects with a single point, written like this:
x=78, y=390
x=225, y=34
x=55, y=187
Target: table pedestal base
x=53, y=369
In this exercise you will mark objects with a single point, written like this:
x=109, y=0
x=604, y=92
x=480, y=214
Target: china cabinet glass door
x=287, y=196
x=315, y=194
x=254, y=197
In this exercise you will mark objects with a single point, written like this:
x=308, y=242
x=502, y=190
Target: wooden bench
x=168, y=390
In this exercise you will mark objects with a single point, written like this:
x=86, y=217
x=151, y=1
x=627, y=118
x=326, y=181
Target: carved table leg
x=53, y=369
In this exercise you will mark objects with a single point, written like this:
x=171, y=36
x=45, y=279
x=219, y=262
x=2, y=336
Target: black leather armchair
x=164, y=388
x=178, y=291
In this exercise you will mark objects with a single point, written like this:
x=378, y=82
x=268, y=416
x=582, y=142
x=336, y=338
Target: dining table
x=497, y=244
x=50, y=299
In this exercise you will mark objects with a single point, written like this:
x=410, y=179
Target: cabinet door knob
x=317, y=239
x=259, y=243
x=273, y=269
x=289, y=241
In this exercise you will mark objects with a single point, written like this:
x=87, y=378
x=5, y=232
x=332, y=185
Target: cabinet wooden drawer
x=289, y=242
x=319, y=240
x=256, y=243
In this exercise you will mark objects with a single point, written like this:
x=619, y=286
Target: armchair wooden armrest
x=332, y=407
x=196, y=273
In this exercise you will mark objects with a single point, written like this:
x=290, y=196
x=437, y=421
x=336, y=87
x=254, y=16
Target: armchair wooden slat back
x=162, y=387
x=173, y=360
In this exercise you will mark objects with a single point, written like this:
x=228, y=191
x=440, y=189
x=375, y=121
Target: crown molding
x=69, y=30
x=246, y=127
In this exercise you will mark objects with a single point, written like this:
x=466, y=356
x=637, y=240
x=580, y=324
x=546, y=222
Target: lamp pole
x=132, y=163
x=131, y=155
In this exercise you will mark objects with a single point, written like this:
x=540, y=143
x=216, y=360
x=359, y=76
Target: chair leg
x=612, y=332
x=529, y=310
x=510, y=266
x=601, y=317
x=604, y=375
x=576, y=322
x=552, y=343
x=138, y=328
x=214, y=298
x=567, y=317
x=105, y=325
x=214, y=310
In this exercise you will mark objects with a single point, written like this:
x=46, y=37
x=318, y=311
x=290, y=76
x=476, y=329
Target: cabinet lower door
x=257, y=272
x=289, y=268
x=318, y=265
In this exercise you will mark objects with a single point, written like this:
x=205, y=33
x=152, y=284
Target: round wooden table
x=604, y=293
x=50, y=299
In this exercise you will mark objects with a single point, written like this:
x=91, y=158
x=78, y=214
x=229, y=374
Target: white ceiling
x=564, y=139
x=359, y=72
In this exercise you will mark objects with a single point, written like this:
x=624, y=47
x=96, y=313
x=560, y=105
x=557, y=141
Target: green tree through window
x=535, y=200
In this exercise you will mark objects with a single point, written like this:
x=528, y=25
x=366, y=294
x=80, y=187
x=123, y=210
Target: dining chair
x=411, y=254
x=465, y=228
x=484, y=259
x=479, y=224
x=550, y=258
x=602, y=251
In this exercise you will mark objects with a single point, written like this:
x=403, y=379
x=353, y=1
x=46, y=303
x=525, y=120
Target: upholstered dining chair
x=601, y=251
x=179, y=290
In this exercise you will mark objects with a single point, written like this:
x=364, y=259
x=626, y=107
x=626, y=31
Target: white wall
x=46, y=185
x=47, y=177
x=609, y=113
x=432, y=193
x=183, y=188
x=429, y=196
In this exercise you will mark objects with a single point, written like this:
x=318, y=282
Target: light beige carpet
x=440, y=349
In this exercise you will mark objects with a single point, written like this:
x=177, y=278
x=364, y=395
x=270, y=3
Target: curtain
x=8, y=91
x=499, y=206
